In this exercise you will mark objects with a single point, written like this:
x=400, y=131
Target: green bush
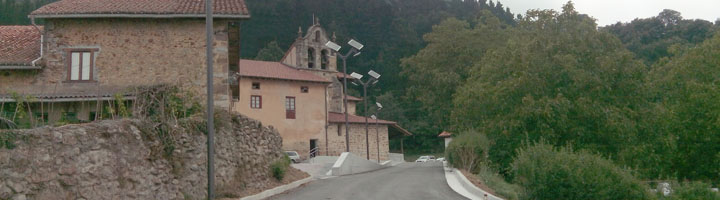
x=549, y=173
x=279, y=167
x=691, y=191
x=468, y=151
x=7, y=139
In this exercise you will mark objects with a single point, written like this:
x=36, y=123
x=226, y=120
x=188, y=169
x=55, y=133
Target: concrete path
x=410, y=181
x=316, y=170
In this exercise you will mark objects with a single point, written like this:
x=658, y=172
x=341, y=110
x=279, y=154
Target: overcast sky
x=612, y=11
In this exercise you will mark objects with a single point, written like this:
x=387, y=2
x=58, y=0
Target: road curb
x=460, y=184
x=277, y=190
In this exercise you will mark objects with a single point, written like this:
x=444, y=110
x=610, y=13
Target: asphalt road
x=410, y=181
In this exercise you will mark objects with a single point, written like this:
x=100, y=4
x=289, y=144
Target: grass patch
x=497, y=183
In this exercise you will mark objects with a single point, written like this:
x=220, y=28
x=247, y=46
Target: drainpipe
x=42, y=37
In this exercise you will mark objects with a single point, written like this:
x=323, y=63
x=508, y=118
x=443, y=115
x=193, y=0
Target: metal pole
x=345, y=103
x=327, y=150
x=210, y=104
x=377, y=136
x=367, y=137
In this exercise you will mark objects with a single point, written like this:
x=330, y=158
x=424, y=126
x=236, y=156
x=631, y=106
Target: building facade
x=86, y=55
x=302, y=96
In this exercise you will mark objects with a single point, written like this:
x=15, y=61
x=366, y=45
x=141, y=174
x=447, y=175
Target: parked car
x=425, y=159
x=441, y=159
x=293, y=155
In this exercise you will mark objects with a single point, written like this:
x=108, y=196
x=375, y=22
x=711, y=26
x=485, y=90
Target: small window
x=256, y=101
x=290, y=107
x=255, y=86
x=304, y=89
x=80, y=65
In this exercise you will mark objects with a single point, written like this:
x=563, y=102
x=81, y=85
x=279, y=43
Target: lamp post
x=355, y=51
x=374, y=77
x=377, y=132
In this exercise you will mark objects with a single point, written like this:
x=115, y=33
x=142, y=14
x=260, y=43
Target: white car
x=441, y=159
x=293, y=155
x=425, y=159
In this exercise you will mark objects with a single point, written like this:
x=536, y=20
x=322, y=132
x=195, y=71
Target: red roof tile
x=19, y=45
x=130, y=8
x=445, y=134
x=276, y=70
x=334, y=117
x=352, y=98
x=341, y=75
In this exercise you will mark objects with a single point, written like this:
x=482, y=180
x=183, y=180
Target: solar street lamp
x=372, y=81
x=355, y=51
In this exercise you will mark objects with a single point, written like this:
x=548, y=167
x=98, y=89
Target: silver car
x=293, y=155
x=425, y=159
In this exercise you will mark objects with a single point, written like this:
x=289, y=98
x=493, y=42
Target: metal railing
x=312, y=153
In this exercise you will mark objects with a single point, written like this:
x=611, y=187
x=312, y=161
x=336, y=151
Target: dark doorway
x=313, y=148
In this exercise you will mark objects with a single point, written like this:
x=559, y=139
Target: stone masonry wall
x=120, y=160
x=336, y=143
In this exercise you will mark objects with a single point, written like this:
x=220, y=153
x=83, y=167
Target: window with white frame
x=256, y=101
x=80, y=65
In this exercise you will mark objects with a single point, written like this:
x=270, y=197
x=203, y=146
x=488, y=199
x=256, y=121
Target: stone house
x=90, y=52
x=301, y=95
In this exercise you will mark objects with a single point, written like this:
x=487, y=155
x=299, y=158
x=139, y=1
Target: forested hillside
x=15, y=12
x=653, y=38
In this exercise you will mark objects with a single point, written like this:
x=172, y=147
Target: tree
x=558, y=78
x=271, y=52
x=687, y=85
x=443, y=65
x=651, y=38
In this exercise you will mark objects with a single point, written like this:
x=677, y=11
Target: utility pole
x=210, y=103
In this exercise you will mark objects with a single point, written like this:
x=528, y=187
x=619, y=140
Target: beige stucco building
x=301, y=95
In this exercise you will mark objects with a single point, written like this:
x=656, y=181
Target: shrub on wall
x=468, y=150
x=549, y=173
x=279, y=167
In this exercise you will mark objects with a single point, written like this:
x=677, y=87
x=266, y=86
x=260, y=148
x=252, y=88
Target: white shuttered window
x=81, y=64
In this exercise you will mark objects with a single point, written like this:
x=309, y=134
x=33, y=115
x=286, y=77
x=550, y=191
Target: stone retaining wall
x=121, y=160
